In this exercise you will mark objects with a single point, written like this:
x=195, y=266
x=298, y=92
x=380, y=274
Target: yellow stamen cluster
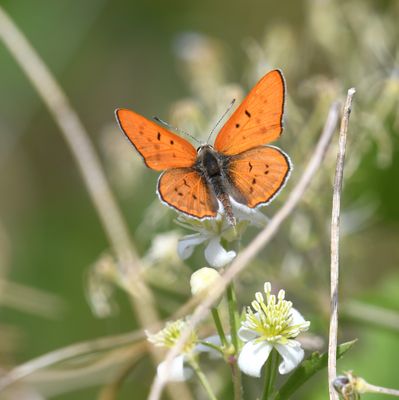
x=168, y=336
x=272, y=319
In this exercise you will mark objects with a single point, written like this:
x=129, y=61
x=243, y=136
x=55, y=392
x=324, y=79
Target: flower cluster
x=271, y=323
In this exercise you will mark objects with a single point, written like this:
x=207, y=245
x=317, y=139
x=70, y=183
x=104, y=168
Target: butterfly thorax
x=213, y=167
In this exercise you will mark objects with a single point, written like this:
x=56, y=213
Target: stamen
x=168, y=336
x=272, y=318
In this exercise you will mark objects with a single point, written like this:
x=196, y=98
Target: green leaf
x=307, y=369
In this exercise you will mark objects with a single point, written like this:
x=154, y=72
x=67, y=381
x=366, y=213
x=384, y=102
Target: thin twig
x=87, y=160
x=380, y=389
x=74, y=351
x=336, y=206
x=30, y=300
x=89, y=165
x=67, y=353
x=78, y=140
x=258, y=243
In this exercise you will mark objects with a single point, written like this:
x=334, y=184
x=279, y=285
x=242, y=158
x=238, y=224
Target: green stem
x=233, y=316
x=270, y=375
x=219, y=327
x=234, y=321
x=202, y=378
x=212, y=346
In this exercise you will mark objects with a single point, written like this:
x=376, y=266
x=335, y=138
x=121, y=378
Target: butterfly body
x=213, y=167
x=239, y=166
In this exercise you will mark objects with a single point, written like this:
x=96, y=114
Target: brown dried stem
x=77, y=139
x=68, y=353
x=334, y=271
x=89, y=165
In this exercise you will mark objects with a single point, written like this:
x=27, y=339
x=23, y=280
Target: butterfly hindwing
x=258, y=120
x=257, y=175
x=185, y=190
x=160, y=148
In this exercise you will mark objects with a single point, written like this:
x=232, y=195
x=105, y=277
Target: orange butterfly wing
x=160, y=148
x=185, y=190
x=257, y=175
x=259, y=118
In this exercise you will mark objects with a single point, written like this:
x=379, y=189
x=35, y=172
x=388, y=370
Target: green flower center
x=272, y=318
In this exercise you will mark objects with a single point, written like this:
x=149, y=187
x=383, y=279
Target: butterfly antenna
x=220, y=119
x=162, y=122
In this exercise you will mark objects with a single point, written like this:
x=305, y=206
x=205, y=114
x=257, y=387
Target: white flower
x=202, y=280
x=211, y=232
x=167, y=337
x=272, y=324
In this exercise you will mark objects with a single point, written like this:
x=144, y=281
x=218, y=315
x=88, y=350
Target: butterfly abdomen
x=217, y=183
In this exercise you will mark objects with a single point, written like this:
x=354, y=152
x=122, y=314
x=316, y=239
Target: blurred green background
x=136, y=54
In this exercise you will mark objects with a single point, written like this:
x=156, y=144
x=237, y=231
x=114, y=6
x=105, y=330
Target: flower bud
x=203, y=279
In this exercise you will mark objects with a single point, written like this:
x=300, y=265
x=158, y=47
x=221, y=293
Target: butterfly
x=240, y=166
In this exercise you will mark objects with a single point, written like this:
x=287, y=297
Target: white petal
x=253, y=356
x=246, y=334
x=244, y=213
x=216, y=255
x=297, y=318
x=186, y=244
x=176, y=371
x=292, y=355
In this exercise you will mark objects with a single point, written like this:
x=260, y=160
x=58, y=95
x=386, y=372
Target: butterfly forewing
x=258, y=120
x=160, y=148
x=185, y=190
x=258, y=174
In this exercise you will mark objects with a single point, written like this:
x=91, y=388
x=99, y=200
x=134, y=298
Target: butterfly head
x=206, y=154
x=203, y=148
